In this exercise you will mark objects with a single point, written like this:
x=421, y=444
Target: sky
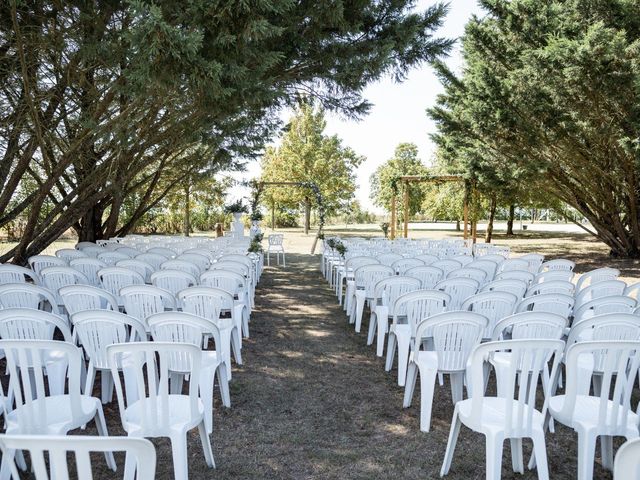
x=398, y=113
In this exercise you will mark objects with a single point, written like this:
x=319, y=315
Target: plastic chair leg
x=223, y=382
x=540, y=450
x=403, y=359
x=236, y=346
x=383, y=327
x=106, y=382
x=427, y=384
x=359, y=310
x=457, y=385
x=207, y=377
x=391, y=351
x=586, y=454
x=451, y=443
x=517, y=458
x=206, y=446
x=410, y=384
x=606, y=447
x=494, y=457
x=101, y=426
x=179, y=453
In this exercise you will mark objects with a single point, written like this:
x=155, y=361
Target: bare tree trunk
x=511, y=219
x=492, y=215
x=273, y=215
x=307, y=215
x=186, y=226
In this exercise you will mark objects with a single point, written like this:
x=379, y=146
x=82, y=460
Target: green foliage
x=307, y=155
x=549, y=106
x=236, y=207
x=404, y=162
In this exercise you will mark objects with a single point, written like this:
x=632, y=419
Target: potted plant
x=236, y=209
x=341, y=248
x=385, y=229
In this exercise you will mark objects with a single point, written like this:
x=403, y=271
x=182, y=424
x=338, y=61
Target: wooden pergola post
x=406, y=209
x=465, y=211
x=393, y=216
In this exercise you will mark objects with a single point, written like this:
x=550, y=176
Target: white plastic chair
x=558, y=264
x=526, y=277
x=182, y=265
x=601, y=289
x=429, y=276
x=632, y=290
x=68, y=254
x=27, y=295
x=144, y=269
x=512, y=417
x=469, y=272
x=153, y=259
x=408, y=311
x=605, y=415
x=275, y=246
x=516, y=287
x=446, y=266
x=155, y=412
x=237, y=286
x=142, y=301
x=595, y=276
x=627, y=463
x=78, y=298
x=112, y=257
x=489, y=267
x=37, y=412
x=57, y=449
x=428, y=259
x=129, y=251
x=16, y=274
x=365, y=280
x=553, y=286
x=96, y=330
x=173, y=281
x=200, y=261
x=90, y=268
x=402, y=265
x=388, y=259
x=453, y=335
x=114, y=279
x=166, y=252
x=459, y=289
x=511, y=264
x=553, y=276
x=494, y=306
x=38, y=262
x=93, y=250
x=464, y=260
x=603, y=305
x=209, y=303
x=534, y=260
x=54, y=278
x=548, y=302
x=386, y=292
x=184, y=327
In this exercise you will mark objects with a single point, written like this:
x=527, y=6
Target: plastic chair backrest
x=540, y=325
x=38, y=262
x=165, y=252
x=610, y=326
x=89, y=267
x=603, y=305
x=234, y=257
x=528, y=358
x=632, y=290
x=27, y=378
x=446, y=266
x=153, y=259
x=526, y=277
x=429, y=276
x=27, y=295
x=143, y=268
x=200, y=261
x=78, y=298
x=17, y=274
x=114, y=279
x=419, y=305
x=173, y=280
x=459, y=289
x=553, y=286
x=627, y=463
x=617, y=362
x=514, y=264
x=54, y=278
x=97, y=329
x=57, y=449
x=547, y=302
x=601, y=289
x=388, y=259
x=401, y=266
x=141, y=301
x=534, y=260
x=517, y=287
x=205, y=302
x=595, y=276
x=487, y=266
x=69, y=254
x=129, y=251
x=29, y=324
x=112, y=257
x=276, y=239
x=388, y=290
x=469, y=272
x=558, y=264
x=493, y=305
x=228, y=281
x=454, y=335
x=428, y=259
x=151, y=363
x=553, y=276
x=367, y=276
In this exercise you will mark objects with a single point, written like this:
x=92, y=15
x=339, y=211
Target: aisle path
x=313, y=401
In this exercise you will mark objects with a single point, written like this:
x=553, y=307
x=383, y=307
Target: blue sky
x=398, y=112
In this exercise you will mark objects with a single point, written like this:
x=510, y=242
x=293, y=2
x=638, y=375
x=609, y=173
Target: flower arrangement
x=256, y=216
x=256, y=244
x=341, y=248
x=385, y=228
x=331, y=243
x=236, y=207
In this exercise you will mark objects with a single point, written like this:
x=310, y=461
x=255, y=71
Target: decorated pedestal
x=255, y=229
x=237, y=227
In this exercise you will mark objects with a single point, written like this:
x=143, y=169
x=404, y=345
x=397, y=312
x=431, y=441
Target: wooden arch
x=469, y=196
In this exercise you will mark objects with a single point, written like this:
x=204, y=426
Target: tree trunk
x=186, y=225
x=273, y=215
x=492, y=215
x=511, y=219
x=91, y=225
x=307, y=215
